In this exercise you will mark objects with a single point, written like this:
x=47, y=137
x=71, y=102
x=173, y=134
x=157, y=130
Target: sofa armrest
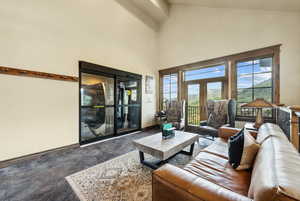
x=226, y=132
x=170, y=183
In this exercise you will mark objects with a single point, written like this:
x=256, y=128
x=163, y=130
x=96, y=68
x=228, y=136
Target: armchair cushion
x=217, y=113
x=203, y=123
x=175, y=113
x=208, y=130
x=220, y=113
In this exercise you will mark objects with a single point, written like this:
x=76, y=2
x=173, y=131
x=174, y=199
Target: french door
x=196, y=95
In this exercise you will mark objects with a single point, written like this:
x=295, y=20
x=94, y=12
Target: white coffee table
x=164, y=149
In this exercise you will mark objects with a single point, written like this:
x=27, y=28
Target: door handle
x=99, y=106
x=202, y=108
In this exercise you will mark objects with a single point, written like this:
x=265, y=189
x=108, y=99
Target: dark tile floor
x=43, y=179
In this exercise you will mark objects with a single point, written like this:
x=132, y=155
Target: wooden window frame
x=180, y=74
x=274, y=52
x=251, y=118
x=230, y=72
x=161, y=87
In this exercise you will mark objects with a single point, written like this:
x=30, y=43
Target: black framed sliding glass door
x=128, y=104
x=110, y=102
x=97, y=106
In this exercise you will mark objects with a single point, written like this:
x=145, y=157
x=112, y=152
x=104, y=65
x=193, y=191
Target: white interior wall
x=194, y=33
x=52, y=36
x=39, y=114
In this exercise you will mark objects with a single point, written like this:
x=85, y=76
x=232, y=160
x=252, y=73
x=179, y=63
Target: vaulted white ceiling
x=151, y=12
x=154, y=12
x=275, y=5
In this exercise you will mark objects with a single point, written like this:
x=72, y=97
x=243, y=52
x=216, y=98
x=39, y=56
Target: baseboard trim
x=108, y=139
x=150, y=128
x=12, y=161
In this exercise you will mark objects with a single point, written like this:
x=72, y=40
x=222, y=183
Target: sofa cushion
x=215, y=168
x=276, y=169
x=170, y=183
x=219, y=148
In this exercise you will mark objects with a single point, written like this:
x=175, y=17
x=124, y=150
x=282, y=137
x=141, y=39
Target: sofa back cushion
x=276, y=171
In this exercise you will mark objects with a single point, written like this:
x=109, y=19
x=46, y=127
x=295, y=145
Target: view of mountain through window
x=254, y=80
x=214, y=91
x=204, y=83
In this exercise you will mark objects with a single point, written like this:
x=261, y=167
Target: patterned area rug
x=122, y=178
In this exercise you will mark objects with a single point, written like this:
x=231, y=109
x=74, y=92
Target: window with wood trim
x=248, y=75
x=254, y=80
x=205, y=73
x=169, y=88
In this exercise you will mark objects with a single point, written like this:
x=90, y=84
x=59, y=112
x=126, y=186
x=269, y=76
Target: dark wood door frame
x=202, y=94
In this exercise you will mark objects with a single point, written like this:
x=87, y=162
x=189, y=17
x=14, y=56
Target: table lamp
x=258, y=104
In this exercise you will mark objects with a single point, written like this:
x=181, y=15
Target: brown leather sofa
x=275, y=175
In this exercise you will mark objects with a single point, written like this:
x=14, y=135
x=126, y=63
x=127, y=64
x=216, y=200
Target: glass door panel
x=97, y=106
x=193, y=104
x=214, y=90
x=128, y=105
x=197, y=94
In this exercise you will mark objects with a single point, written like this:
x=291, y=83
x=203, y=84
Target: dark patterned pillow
x=242, y=149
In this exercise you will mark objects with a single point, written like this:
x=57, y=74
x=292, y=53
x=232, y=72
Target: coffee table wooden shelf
x=165, y=149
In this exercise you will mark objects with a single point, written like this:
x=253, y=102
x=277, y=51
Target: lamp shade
x=258, y=103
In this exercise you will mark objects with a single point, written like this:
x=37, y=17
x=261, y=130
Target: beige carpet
x=122, y=178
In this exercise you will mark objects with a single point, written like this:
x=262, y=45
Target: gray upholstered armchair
x=175, y=114
x=219, y=113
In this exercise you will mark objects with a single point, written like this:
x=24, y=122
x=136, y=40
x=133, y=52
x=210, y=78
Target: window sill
x=252, y=119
